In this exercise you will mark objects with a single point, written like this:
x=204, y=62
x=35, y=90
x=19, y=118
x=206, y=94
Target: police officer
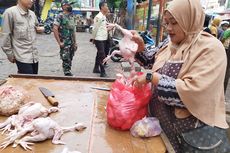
x=64, y=31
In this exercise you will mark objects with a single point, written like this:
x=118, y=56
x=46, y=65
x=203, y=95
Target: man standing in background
x=100, y=36
x=19, y=30
x=64, y=31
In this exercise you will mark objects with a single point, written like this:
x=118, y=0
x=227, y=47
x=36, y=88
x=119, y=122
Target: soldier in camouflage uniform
x=64, y=32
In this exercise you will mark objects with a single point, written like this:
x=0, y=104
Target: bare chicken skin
x=127, y=46
x=41, y=129
x=26, y=114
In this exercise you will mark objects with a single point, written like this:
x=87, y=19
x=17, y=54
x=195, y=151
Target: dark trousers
x=227, y=75
x=27, y=68
x=101, y=54
x=108, y=45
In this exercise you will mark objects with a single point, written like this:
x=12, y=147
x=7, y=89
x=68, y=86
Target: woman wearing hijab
x=187, y=78
x=215, y=31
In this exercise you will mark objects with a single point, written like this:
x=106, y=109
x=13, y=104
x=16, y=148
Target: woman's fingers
x=138, y=81
x=134, y=80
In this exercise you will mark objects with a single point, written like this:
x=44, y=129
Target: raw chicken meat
x=26, y=114
x=11, y=99
x=41, y=129
x=127, y=46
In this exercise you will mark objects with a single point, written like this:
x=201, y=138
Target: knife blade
x=101, y=88
x=49, y=95
x=2, y=82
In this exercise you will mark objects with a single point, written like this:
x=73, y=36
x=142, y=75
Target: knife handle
x=52, y=101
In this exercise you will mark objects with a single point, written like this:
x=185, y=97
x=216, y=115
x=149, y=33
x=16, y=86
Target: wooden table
x=80, y=103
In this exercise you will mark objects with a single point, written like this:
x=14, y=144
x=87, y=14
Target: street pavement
x=50, y=62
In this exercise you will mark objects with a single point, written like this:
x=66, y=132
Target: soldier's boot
x=67, y=67
x=68, y=73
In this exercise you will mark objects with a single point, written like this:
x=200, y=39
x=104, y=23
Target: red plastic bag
x=127, y=104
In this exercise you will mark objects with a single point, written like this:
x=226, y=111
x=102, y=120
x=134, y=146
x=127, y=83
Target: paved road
x=50, y=63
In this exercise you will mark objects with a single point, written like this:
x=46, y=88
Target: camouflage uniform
x=66, y=33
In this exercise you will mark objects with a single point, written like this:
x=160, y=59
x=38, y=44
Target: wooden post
x=162, y=12
x=159, y=28
x=144, y=18
x=149, y=13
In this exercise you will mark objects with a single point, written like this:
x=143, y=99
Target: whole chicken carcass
x=41, y=129
x=25, y=115
x=33, y=110
x=127, y=46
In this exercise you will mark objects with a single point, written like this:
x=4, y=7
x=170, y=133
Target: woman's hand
x=140, y=80
x=137, y=39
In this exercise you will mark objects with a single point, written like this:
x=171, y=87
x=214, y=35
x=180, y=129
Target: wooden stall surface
x=80, y=103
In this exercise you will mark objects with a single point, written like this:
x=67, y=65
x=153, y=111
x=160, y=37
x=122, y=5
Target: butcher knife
x=101, y=88
x=2, y=82
x=49, y=95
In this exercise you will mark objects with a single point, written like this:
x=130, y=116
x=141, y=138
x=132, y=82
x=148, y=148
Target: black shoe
x=103, y=74
x=96, y=71
x=68, y=74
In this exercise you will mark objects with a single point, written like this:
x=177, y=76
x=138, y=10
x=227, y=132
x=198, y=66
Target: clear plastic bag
x=127, y=104
x=147, y=127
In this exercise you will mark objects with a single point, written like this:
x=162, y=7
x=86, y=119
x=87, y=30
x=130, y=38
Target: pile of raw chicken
x=31, y=123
